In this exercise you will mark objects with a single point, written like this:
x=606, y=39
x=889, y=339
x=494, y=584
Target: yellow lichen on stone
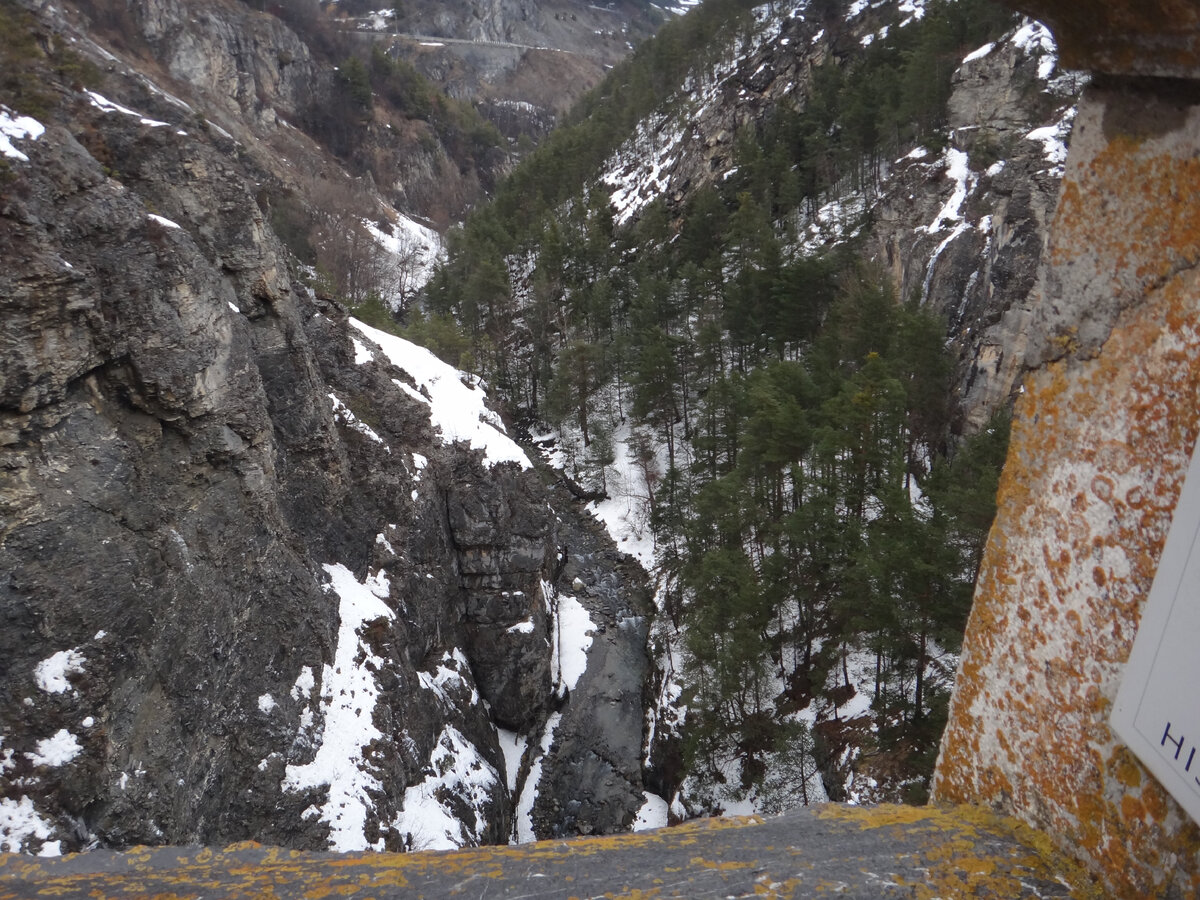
x=1100, y=444
x=953, y=849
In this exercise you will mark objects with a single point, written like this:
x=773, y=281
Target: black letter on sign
x=1178, y=742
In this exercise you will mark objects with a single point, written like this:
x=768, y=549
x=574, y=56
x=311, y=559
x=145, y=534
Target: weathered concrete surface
x=886, y=851
x=1100, y=446
x=1128, y=37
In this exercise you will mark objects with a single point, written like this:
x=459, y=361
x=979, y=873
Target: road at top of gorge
x=860, y=852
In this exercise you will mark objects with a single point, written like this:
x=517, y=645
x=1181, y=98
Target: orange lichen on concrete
x=964, y=852
x=1099, y=449
x=955, y=852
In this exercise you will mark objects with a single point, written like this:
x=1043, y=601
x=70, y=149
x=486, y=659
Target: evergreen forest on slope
x=790, y=416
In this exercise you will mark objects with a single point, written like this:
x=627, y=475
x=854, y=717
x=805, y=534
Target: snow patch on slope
x=416, y=248
x=459, y=411
x=456, y=770
x=51, y=673
x=679, y=7
x=56, y=750
x=835, y=222
x=640, y=169
x=979, y=54
x=20, y=822
x=342, y=414
x=16, y=128
x=103, y=103
x=513, y=746
x=449, y=674
x=1035, y=39
x=573, y=632
x=348, y=697
x=1053, y=139
x=959, y=171
x=529, y=791
x=174, y=226
x=653, y=813
x=625, y=512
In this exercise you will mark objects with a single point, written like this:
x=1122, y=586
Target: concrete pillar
x=1101, y=442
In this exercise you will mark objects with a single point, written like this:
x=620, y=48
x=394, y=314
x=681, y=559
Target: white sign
x=1156, y=712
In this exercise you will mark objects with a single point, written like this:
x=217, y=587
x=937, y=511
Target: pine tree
x=577, y=377
x=654, y=387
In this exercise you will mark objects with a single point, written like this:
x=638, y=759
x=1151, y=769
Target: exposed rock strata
x=221, y=507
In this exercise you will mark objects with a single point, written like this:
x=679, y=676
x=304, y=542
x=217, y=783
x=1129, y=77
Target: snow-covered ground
x=457, y=409
x=513, y=746
x=679, y=7
x=653, y=813
x=15, y=127
x=415, y=247
x=529, y=792
x=626, y=513
x=19, y=822
x=347, y=700
x=103, y=103
x=56, y=750
x=573, y=632
x=51, y=673
x=456, y=769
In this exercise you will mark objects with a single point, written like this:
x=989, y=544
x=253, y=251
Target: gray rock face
x=591, y=781
x=504, y=548
x=247, y=590
x=1009, y=113
x=251, y=62
x=252, y=78
x=962, y=229
x=146, y=530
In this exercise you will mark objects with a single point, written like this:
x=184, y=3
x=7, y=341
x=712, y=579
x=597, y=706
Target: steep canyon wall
x=261, y=577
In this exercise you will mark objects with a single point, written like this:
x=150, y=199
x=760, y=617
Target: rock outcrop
x=278, y=93
x=970, y=247
x=963, y=229
x=1101, y=442
x=266, y=574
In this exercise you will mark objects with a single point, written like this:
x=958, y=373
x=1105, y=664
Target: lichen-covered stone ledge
x=1101, y=442
x=866, y=853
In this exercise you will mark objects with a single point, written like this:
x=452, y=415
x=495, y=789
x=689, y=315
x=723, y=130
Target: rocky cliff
x=523, y=62
x=962, y=229
x=279, y=91
x=1102, y=437
x=266, y=574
